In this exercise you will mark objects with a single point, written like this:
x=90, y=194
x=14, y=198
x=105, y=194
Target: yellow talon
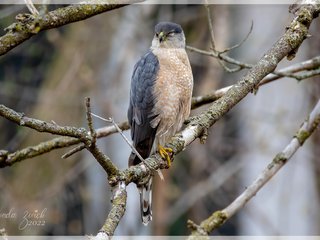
x=165, y=153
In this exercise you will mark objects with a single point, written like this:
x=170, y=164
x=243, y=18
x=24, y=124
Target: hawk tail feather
x=146, y=202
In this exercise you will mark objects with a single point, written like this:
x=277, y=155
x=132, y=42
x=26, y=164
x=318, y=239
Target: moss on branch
x=29, y=25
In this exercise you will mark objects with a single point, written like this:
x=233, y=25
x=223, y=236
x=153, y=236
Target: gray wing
x=142, y=102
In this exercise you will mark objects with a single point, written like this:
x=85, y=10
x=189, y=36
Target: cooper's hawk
x=160, y=99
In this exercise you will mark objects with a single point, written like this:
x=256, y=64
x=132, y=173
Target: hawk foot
x=166, y=154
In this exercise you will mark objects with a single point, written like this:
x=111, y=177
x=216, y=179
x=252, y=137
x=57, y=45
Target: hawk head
x=168, y=35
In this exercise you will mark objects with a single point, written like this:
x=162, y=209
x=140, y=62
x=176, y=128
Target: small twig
x=92, y=132
x=230, y=70
x=73, y=151
x=206, y=5
x=110, y=120
x=105, y=162
x=90, y=121
x=31, y=7
x=301, y=76
x=238, y=44
x=307, y=65
x=220, y=56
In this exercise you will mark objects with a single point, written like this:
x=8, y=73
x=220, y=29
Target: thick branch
x=29, y=25
x=117, y=211
x=289, y=42
x=220, y=217
x=63, y=142
x=41, y=126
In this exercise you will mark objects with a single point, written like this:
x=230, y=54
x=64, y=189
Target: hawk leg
x=166, y=154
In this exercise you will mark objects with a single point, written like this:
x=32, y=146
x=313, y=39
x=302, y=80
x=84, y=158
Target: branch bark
x=9, y=159
x=117, y=211
x=308, y=65
x=29, y=25
x=198, y=126
x=75, y=135
x=42, y=126
x=220, y=217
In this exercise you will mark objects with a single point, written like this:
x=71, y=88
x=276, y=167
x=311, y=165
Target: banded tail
x=146, y=202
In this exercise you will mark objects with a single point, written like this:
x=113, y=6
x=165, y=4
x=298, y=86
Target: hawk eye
x=157, y=34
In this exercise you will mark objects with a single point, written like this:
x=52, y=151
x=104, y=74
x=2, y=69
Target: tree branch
x=287, y=45
x=42, y=126
x=103, y=159
x=311, y=66
x=221, y=57
x=78, y=135
x=8, y=159
x=289, y=42
x=117, y=211
x=220, y=217
x=29, y=25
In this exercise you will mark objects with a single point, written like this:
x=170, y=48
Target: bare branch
x=80, y=134
x=90, y=121
x=73, y=151
x=220, y=217
x=240, y=43
x=8, y=159
x=29, y=25
x=41, y=126
x=117, y=211
x=216, y=53
x=311, y=66
x=220, y=56
x=31, y=7
x=62, y=142
x=103, y=159
x=199, y=124
x=206, y=5
x=110, y=120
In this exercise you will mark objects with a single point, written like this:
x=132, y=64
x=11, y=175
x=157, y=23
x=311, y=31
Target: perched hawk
x=160, y=99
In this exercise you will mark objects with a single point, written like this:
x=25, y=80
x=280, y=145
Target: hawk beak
x=161, y=37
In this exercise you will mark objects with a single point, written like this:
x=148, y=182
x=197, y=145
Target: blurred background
x=48, y=77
